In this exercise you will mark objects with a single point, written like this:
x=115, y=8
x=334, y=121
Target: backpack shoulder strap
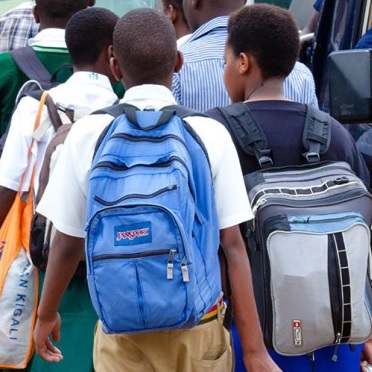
x=115, y=111
x=316, y=137
x=30, y=64
x=246, y=132
x=53, y=114
x=51, y=107
x=57, y=140
x=183, y=112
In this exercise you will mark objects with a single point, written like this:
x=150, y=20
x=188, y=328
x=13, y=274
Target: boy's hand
x=43, y=346
x=260, y=363
x=366, y=356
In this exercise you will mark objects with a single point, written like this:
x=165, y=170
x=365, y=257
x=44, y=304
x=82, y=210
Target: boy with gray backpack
x=309, y=243
x=148, y=191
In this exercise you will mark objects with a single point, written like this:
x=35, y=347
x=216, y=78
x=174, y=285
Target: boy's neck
x=271, y=89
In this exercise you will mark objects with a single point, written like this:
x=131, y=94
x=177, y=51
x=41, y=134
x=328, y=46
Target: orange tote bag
x=19, y=280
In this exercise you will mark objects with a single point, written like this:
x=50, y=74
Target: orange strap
x=36, y=124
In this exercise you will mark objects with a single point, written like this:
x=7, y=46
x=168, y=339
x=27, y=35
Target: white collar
x=49, y=38
x=149, y=96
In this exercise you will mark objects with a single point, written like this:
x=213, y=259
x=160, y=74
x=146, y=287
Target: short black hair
x=269, y=33
x=145, y=46
x=88, y=32
x=58, y=12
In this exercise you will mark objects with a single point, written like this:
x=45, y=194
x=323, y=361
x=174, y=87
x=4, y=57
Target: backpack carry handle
x=317, y=134
x=140, y=118
x=247, y=133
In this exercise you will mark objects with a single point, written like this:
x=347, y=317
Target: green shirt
x=12, y=79
x=56, y=60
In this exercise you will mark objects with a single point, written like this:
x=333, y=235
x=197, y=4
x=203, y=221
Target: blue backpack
x=152, y=227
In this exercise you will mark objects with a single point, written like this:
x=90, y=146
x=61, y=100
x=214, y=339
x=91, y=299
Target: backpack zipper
x=298, y=203
x=117, y=167
x=133, y=138
x=160, y=252
x=135, y=196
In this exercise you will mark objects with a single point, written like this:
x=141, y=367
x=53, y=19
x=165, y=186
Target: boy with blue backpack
x=152, y=194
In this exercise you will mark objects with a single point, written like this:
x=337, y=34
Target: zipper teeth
x=278, y=172
x=335, y=219
x=112, y=165
x=159, y=252
x=133, y=196
x=183, y=251
x=268, y=192
x=134, y=138
x=284, y=201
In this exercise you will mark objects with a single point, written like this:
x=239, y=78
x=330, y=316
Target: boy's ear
x=171, y=13
x=195, y=3
x=35, y=13
x=179, y=61
x=114, y=65
x=244, y=63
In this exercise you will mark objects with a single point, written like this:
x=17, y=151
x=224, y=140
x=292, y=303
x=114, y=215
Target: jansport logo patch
x=136, y=233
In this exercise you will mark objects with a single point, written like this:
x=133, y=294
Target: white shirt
x=84, y=91
x=68, y=214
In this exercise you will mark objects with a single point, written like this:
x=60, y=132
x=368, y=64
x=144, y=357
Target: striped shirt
x=199, y=84
x=17, y=26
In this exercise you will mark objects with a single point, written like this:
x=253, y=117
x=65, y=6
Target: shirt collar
x=87, y=77
x=49, y=38
x=218, y=22
x=149, y=96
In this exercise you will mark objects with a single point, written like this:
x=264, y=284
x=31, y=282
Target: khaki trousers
x=204, y=348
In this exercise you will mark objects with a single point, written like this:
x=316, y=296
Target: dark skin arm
x=366, y=357
x=64, y=256
x=7, y=197
x=256, y=357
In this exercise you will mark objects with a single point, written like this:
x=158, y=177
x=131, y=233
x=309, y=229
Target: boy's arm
x=64, y=256
x=7, y=197
x=256, y=357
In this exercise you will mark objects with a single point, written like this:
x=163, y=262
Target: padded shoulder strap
x=317, y=134
x=114, y=110
x=247, y=133
x=183, y=112
x=30, y=65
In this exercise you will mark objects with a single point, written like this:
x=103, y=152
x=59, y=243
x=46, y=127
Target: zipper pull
x=185, y=270
x=338, y=341
x=172, y=252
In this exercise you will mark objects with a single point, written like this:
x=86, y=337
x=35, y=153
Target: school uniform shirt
x=71, y=175
x=50, y=47
x=199, y=84
x=83, y=92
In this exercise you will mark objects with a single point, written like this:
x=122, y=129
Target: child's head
x=174, y=11
x=266, y=33
x=145, y=48
x=177, y=4
x=56, y=13
x=89, y=33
